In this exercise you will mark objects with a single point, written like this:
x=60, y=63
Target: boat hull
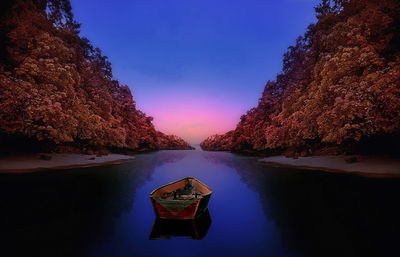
x=180, y=209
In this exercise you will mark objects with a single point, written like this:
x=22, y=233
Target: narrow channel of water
x=255, y=210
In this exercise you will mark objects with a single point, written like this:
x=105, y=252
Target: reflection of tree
x=325, y=214
x=65, y=213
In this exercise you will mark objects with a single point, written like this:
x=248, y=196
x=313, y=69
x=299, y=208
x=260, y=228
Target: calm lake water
x=255, y=210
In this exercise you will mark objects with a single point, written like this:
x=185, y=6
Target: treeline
x=339, y=89
x=58, y=91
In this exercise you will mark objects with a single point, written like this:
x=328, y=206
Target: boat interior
x=184, y=189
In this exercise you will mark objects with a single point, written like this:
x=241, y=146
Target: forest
x=338, y=91
x=58, y=92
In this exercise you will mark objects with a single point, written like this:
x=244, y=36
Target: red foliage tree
x=339, y=86
x=56, y=88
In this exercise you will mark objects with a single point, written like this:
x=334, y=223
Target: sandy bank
x=369, y=167
x=31, y=163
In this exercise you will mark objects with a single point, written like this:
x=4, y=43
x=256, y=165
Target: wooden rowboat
x=186, y=198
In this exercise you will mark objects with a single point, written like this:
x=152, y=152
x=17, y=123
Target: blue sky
x=194, y=63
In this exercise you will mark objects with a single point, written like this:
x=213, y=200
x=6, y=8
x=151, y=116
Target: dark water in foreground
x=255, y=210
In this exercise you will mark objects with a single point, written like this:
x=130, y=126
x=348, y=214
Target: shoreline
x=33, y=163
x=367, y=167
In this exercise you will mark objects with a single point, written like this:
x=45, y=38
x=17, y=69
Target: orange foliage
x=57, y=88
x=171, y=142
x=340, y=84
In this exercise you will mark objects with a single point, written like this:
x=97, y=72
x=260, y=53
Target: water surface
x=255, y=210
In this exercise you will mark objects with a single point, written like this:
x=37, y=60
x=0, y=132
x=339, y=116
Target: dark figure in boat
x=183, y=194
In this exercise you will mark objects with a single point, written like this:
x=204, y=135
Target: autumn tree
x=339, y=86
x=58, y=90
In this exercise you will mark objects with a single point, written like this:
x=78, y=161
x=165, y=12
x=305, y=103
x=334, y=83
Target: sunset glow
x=193, y=118
x=194, y=66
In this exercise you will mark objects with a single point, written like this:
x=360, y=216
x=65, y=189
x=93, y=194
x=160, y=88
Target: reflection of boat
x=186, y=198
x=194, y=229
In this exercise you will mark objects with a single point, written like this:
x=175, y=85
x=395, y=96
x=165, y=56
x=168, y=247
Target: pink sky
x=193, y=118
x=194, y=107
x=195, y=66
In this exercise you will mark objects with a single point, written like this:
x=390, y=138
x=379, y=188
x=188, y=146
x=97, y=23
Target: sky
x=194, y=66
